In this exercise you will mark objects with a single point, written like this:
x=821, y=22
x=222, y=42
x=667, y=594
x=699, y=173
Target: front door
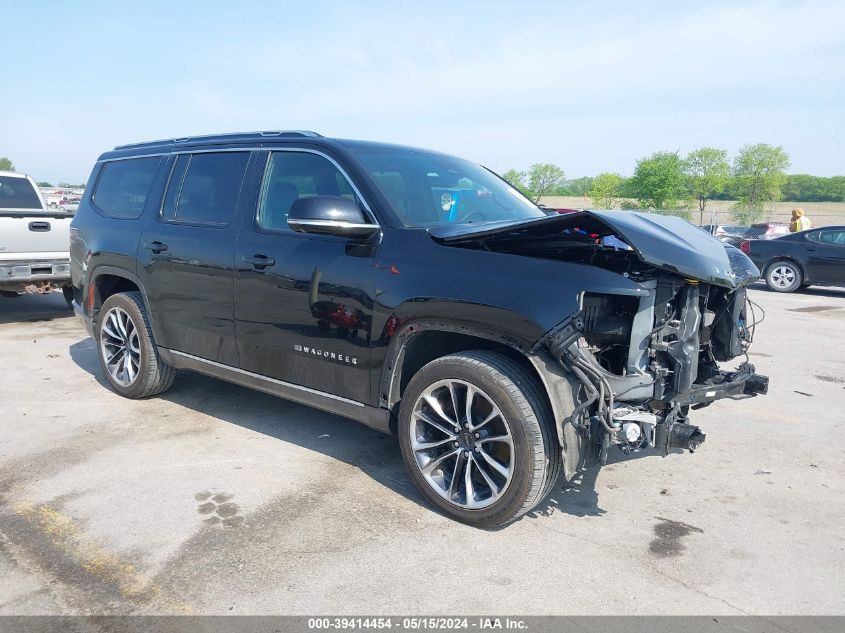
x=186, y=256
x=303, y=302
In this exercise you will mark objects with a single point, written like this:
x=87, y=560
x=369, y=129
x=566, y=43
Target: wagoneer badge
x=335, y=356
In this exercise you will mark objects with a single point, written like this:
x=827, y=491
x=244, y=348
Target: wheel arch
x=420, y=342
x=110, y=280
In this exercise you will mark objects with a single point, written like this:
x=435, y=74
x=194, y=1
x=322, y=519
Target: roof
x=246, y=138
x=216, y=138
x=12, y=174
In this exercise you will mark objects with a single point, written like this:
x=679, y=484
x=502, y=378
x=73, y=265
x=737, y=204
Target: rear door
x=303, y=302
x=826, y=255
x=186, y=256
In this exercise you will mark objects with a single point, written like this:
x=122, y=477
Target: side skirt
x=374, y=417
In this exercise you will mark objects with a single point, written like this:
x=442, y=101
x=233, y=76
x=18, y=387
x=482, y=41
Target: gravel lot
x=217, y=499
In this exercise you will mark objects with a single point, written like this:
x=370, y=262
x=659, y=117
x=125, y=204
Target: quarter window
x=123, y=186
x=204, y=188
x=293, y=175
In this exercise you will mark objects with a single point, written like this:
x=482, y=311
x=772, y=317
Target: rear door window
x=123, y=186
x=204, y=188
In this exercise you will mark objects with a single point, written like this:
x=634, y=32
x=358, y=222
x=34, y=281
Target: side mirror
x=329, y=215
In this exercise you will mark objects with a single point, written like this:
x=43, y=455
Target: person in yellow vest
x=800, y=222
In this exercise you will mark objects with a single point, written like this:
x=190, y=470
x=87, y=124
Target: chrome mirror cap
x=333, y=227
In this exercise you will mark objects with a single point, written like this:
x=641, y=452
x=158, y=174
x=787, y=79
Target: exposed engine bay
x=643, y=362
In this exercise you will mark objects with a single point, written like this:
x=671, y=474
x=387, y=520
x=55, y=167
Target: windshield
x=431, y=189
x=18, y=193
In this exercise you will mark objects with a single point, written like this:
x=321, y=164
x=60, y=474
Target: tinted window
x=833, y=237
x=294, y=175
x=124, y=185
x=204, y=188
x=18, y=193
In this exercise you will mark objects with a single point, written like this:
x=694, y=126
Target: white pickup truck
x=34, y=240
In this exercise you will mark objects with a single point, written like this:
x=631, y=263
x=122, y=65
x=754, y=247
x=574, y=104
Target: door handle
x=259, y=261
x=156, y=246
x=39, y=227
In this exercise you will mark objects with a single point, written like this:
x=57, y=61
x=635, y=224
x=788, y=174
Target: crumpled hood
x=666, y=242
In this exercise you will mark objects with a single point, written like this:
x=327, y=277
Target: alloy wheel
x=782, y=276
x=462, y=444
x=120, y=346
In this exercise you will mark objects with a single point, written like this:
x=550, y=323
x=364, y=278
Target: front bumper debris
x=741, y=383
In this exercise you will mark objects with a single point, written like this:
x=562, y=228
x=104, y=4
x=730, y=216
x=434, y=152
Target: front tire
x=128, y=355
x=478, y=438
x=783, y=276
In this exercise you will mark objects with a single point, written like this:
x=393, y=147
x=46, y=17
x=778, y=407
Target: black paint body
x=326, y=314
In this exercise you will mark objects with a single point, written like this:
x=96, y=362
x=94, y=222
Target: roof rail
x=222, y=137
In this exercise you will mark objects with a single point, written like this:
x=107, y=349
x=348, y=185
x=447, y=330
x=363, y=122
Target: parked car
x=34, y=240
x=55, y=198
x=70, y=206
x=718, y=230
x=800, y=259
x=728, y=233
x=767, y=230
x=417, y=293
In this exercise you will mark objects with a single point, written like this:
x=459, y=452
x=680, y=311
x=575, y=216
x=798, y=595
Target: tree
x=543, y=179
x=707, y=172
x=607, y=190
x=658, y=181
x=759, y=175
x=806, y=188
x=43, y=183
x=517, y=179
x=6, y=164
x=576, y=187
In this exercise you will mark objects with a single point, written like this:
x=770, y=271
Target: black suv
x=417, y=293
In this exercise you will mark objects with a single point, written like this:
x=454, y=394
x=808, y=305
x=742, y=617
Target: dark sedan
x=800, y=259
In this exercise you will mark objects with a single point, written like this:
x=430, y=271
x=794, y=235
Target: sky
x=589, y=86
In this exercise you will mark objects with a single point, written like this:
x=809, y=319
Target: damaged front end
x=644, y=362
x=640, y=362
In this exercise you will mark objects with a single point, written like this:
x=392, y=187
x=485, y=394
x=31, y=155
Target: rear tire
x=67, y=293
x=520, y=439
x=128, y=355
x=783, y=276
